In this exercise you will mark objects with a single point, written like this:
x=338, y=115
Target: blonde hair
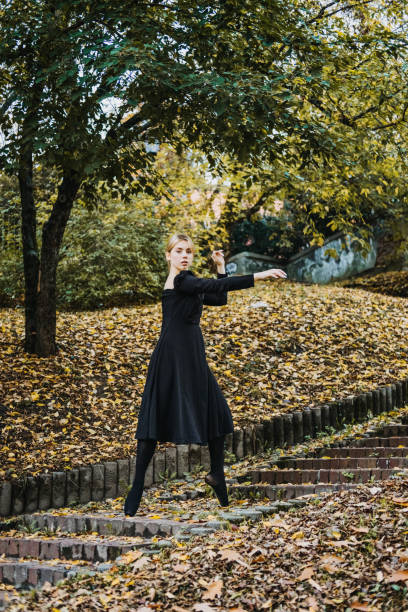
x=172, y=241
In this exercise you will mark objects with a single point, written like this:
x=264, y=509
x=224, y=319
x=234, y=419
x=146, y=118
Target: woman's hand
x=218, y=257
x=271, y=273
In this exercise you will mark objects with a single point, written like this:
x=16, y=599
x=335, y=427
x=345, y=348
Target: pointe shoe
x=220, y=488
x=133, y=500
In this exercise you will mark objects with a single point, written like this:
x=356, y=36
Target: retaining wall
x=312, y=265
x=111, y=478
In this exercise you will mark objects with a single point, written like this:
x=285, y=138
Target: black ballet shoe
x=133, y=500
x=219, y=486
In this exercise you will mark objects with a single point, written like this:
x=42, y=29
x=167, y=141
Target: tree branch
x=393, y=123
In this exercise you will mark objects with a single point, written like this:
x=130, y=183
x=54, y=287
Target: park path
x=49, y=546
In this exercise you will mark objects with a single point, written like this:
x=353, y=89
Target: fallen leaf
x=400, y=575
x=314, y=584
x=233, y=555
x=214, y=590
x=356, y=605
x=307, y=573
x=181, y=567
x=331, y=569
x=401, y=501
x=140, y=563
x=360, y=529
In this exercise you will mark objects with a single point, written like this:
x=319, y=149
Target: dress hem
x=199, y=442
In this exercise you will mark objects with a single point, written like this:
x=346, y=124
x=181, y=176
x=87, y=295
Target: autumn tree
x=86, y=86
x=362, y=110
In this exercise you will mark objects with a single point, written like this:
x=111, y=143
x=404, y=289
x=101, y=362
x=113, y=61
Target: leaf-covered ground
x=347, y=551
x=302, y=345
x=388, y=283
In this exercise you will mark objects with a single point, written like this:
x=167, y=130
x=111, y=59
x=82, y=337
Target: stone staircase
x=46, y=547
x=50, y=546
x=378, y=456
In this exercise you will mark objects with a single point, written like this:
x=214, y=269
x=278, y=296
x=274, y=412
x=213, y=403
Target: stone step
x=354, y=451
x=95, y=550
x=335, y=463
x=277, y=477
x=286, y=491
x=396, y=429
x=23, y=574
x=102, y=524
x=386, y=442
x=72, y=555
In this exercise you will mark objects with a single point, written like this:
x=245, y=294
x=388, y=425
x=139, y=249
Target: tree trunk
x=52, y=235
x=30, y=248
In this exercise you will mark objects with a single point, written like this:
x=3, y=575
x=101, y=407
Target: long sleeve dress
x=181, y=400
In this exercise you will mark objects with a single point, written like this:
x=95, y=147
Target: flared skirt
x=182, y=401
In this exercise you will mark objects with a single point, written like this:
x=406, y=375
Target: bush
x=108, y=258
x=11, y=276
x=111, y=259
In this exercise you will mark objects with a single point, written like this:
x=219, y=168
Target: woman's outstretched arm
x=187, y=282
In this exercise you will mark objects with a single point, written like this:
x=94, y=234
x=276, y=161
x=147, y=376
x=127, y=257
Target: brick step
x=387, y=431
x=277, y=477
x=89, y=556
x=96, y=550
x=354, y=451
x=23, y=574
x=102, y=524
x=285, y=491
x=387, y=442
x=336, y=463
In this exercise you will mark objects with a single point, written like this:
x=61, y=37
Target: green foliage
x=291, y=100
x=110, y=259
x=87, y=83
x=9, y=212
x=11, y=276
x=279, y=236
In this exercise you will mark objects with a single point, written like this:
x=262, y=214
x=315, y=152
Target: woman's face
x=180, y=256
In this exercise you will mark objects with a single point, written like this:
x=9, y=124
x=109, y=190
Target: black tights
x=216, y=448
x=144, y=454
x=216, y=477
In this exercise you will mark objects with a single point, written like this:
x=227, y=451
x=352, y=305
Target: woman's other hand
x=271, y=273
x=218, y=257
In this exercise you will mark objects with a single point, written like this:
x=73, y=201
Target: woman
x=181, y=401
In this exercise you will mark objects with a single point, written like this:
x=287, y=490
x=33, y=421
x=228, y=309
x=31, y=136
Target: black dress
x=181, y=400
